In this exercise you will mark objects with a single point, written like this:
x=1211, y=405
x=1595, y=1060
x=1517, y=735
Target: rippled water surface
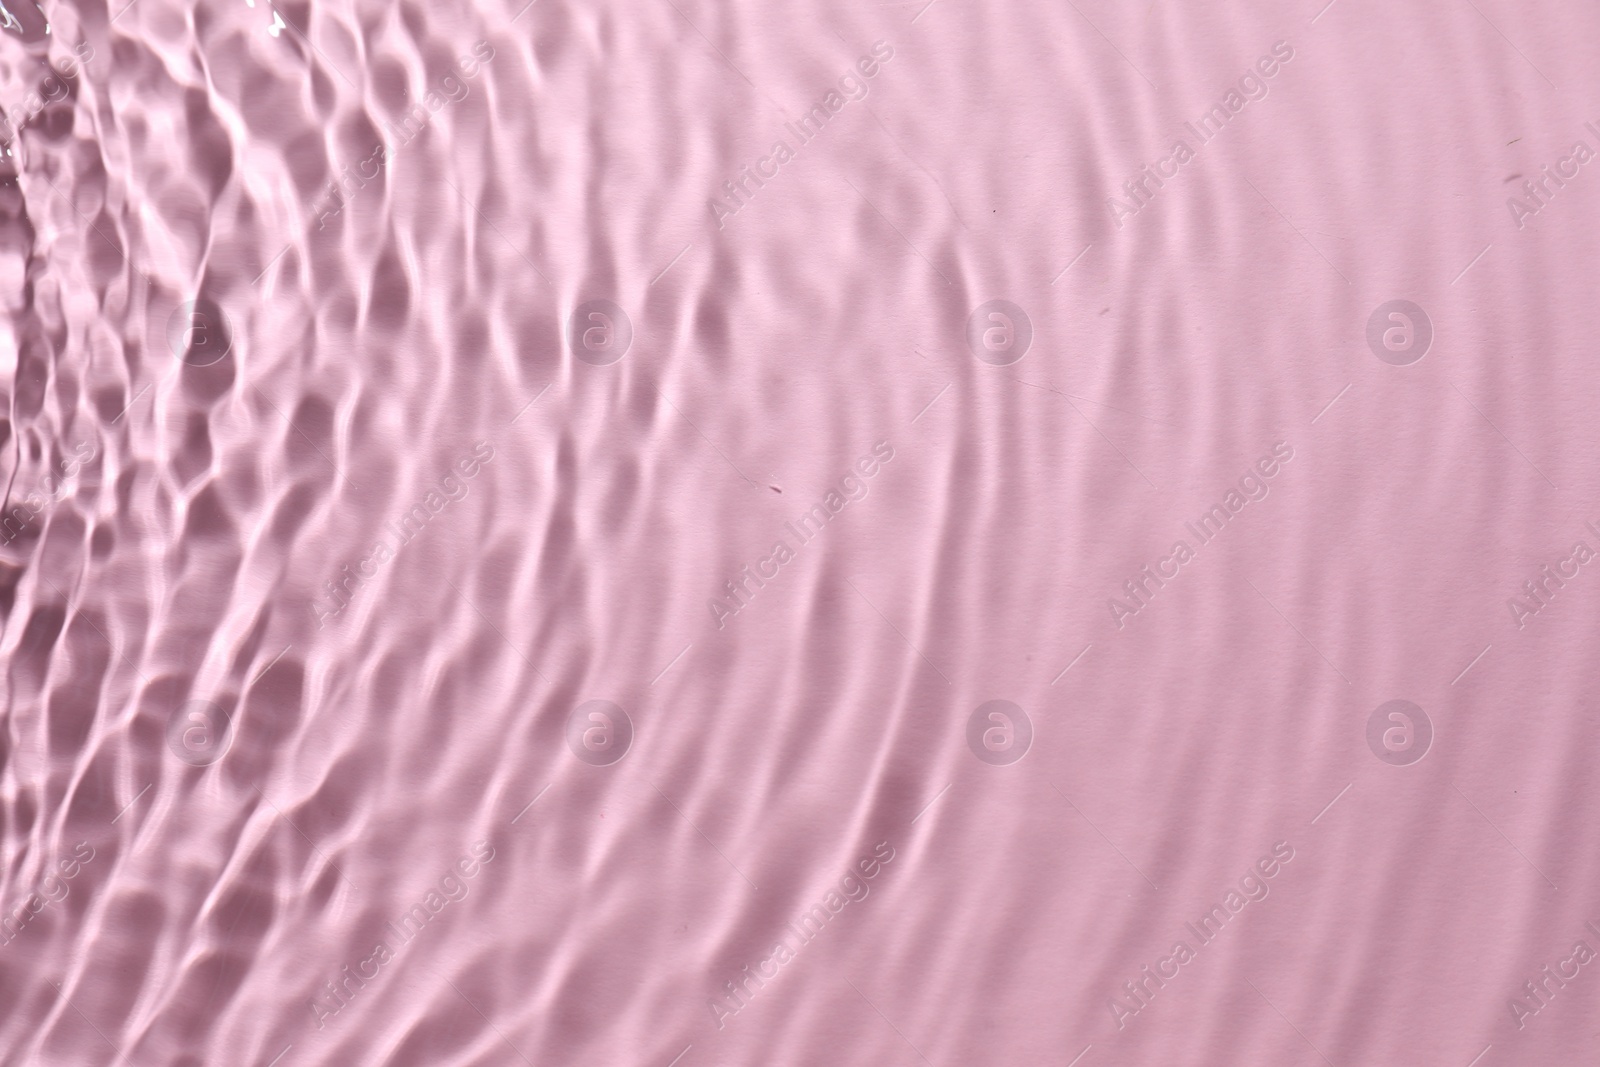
x=700, y=533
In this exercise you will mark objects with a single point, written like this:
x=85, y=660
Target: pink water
x=685, y=534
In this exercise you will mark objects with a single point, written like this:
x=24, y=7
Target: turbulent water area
x=697, y=533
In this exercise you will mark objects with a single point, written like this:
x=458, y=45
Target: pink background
x=772, y=348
